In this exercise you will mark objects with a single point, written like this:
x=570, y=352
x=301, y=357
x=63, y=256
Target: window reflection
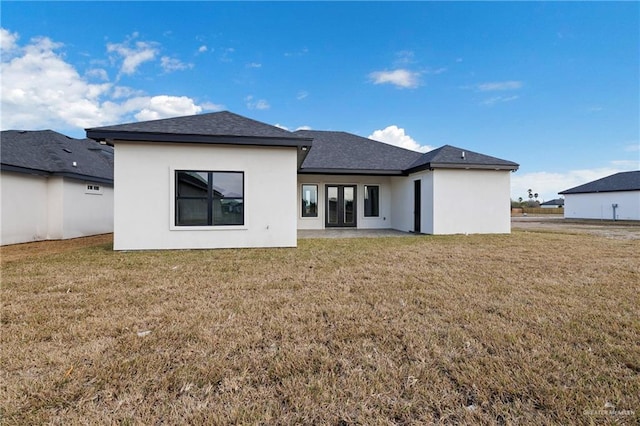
x=205, y=198
x=371, y=201
x=309, y=200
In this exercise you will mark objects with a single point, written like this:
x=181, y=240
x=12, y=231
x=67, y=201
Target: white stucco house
x=53, y=187
x=220, y=180
x=615, y=197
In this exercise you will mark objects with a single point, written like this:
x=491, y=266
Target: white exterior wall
x=24, y=207
x=36, y=208
x=145, y=203
x=471, y=201
x=403, y=199
x=383, y=221
x=598, y=205
x=86, y=213
x=55, y=211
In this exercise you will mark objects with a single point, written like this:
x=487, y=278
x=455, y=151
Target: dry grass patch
x=528, y=328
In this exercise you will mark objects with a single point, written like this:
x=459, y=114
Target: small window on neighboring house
x=205, y=198
x=371, y=201
x=309, y=200
x=93, y=189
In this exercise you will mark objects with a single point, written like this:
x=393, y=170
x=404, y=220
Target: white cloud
x=210, y=106
x=499, y=99
x=548, y=184
x=280, y=126
x=98, y=73
x=404, y=57
x=133, y=56
x=41, y=90
x=393, y=135
x=254, y=65
x=300, y=52
x=202, y=49
x=436, y=71
x=302, y=94
x=499, y=86
x=123, y=92
x=401, y=78
x=172, y=64
x=260, y=104
x=164, y=106
x=226, y=54
x=632, y=147
x=8, y=40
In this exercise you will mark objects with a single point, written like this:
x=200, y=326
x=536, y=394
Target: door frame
x=340, y=207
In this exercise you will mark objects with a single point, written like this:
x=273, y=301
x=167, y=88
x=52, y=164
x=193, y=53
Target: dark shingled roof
x=216, y=127
x=46, y=152
x=319, y=151
x=448, y=156
x=340, y=152
x=623, y=181
x=554, y=202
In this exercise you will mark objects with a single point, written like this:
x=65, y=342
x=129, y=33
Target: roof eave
x=569, y=191
x=26, y=170
x=464, y=166
x=353, y=172
x=78, y=176
x=111, y=136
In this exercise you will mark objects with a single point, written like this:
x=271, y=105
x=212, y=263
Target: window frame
x=365, y=195
x=93, y=188
x=302, y=212
x=209, y=199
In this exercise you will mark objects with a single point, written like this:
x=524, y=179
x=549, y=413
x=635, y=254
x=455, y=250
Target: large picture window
x=205, y=198
x=371, y=201
x=309, y=200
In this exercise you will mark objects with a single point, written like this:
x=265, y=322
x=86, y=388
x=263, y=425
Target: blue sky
x=552, y=86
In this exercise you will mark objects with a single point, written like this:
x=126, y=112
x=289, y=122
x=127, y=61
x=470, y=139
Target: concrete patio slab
x=351, y=233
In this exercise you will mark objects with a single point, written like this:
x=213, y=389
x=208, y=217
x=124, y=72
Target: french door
x=341, y=206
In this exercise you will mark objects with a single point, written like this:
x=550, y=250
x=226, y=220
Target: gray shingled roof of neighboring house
x=46, y=152
x=554, y=202
x=623, y=181
x=213, y=128
x=448, y=156
x=345, y=153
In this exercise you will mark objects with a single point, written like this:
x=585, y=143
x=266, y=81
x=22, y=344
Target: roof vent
x=462, y=156
x=74, y=164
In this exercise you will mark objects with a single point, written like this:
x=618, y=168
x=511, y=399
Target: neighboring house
x=53, y=186
x=222, y=180
x=615, y=197
x=553, y=204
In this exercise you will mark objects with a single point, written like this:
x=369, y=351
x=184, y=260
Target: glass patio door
x=341, y=206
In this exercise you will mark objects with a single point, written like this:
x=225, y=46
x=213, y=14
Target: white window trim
x=93, y=191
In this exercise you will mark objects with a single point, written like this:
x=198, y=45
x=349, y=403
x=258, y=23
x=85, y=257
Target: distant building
x=615, y=197
x=553, y=204
x=53, y=186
